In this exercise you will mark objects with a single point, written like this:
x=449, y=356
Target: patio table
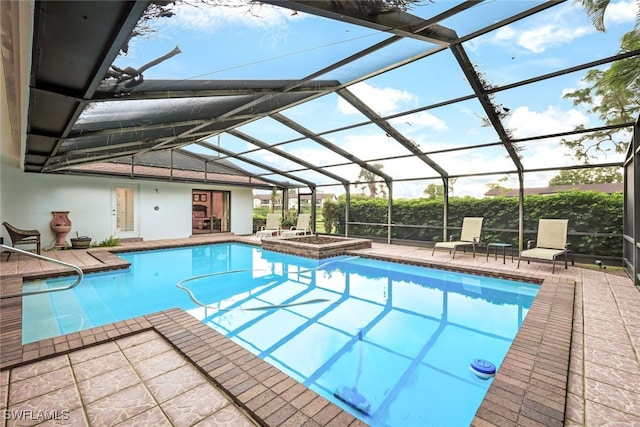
x=497, y=247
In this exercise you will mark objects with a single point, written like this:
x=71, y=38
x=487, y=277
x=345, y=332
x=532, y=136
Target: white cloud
x=317, y=155
x=383, y=101
x=505, y=34
x=539, y=39
x=526, y=122
x=208, y=19
x=365, y=146
x=418, y=121
x=562, y=27
x=545, y=153
x=621, y=12
x=544, y=31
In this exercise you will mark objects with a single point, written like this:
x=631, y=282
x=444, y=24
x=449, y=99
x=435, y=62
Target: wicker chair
x=22, y=237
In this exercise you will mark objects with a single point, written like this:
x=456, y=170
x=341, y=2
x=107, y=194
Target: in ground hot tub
x=316, y=247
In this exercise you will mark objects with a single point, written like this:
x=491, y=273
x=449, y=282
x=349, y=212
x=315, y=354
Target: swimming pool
x=398, y=337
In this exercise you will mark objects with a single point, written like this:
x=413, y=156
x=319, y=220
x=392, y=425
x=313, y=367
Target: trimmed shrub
x=589, y=213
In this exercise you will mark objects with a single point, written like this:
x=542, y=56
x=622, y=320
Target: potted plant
x=80, y=242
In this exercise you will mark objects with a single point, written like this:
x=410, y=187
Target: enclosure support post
x=347, y=204
x=445, y=223
x=389, y=211
x=520, y=211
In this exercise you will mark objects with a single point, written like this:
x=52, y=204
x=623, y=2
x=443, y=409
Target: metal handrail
x=44, y=291
x=244, y=270
x=264, y=307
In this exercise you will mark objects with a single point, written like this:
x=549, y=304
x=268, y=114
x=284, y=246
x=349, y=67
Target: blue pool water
x=394, y=340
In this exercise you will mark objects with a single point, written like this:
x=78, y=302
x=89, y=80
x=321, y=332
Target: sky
x=239, y=42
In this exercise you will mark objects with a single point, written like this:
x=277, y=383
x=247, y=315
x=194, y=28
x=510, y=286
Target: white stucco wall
x=28, y=200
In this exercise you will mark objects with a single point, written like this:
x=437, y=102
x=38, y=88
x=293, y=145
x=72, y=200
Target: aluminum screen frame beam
x=261, y=165
x=390, y=130
x=287, y=156
x=395, y=21
x=329, y=145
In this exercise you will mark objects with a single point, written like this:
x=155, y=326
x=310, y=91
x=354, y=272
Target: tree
x=434, y=192
x=613, y=94
x=275, y=197
x=499, y=185
x=330, y=214
x=587, y=176
x=612, y=98
x=500, y=189
x=452, y=182
x=366, y=181
x=596, y=10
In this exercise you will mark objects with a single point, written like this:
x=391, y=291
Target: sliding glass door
x=210, y=211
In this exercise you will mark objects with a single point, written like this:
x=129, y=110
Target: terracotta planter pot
x=61, y=225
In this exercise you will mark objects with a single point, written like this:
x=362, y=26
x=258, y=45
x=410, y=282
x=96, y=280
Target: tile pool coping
x=529, y=388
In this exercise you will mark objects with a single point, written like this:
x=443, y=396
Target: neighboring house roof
x=609, y=188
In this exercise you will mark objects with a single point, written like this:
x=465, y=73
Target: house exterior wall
x=28, y=199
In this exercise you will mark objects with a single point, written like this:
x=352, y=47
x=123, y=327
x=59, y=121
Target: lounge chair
x=271, y=227
x=22, y=237
x=550, y=243
x=301, y=227
x=469, y=236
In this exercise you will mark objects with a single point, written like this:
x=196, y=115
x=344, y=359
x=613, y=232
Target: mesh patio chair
x=301, y=227
x=469, y=236
x=550, y=243
x=271, y=227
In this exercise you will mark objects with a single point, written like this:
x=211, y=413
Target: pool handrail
x=43, y=291
x=180, y=284
x=265, y=307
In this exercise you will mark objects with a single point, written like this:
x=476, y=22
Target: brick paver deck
x=575, y=360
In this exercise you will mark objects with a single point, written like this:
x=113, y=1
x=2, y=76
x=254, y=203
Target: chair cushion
x=541, y=253
x=452, y=245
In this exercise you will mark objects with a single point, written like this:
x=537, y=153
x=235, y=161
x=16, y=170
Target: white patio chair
x=271, y=227
x=550, y=243
x=469, y=236
x=302, y=226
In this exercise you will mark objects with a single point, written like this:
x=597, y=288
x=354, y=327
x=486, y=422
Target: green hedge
x=587, y=211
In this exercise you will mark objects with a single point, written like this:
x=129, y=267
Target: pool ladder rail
x=181, y=286
x=181, y=283
x=77, y=269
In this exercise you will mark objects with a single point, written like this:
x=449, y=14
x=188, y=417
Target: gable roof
x=175, y=165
